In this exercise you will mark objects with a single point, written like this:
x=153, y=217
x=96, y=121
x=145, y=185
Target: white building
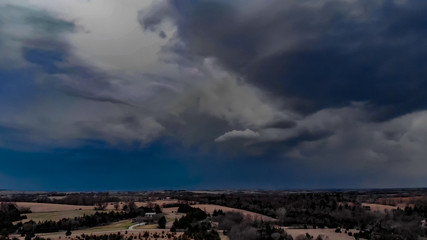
x=150, y=214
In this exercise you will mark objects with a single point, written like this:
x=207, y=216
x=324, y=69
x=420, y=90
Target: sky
x=99, y=95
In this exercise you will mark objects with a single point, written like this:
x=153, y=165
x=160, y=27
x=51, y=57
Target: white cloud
x=237, y=134
x=108, y=33
x=96, y=99
x=221, y=95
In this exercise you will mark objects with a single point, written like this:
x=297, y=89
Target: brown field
x=51, y=207
x=256, y=216
x=171, y=214
x=110, y=206
x=375, y=207
x=161, y=202
x=169, y=211
x=54, y=212
x=320, y=231
x=57, y=215
x=400, y=200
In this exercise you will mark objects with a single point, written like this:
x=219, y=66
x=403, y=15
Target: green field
x=121, y=225
x=149, y=226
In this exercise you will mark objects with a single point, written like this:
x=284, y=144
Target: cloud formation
x=337, y=82
x=349, y=76
x=322, y=53
x=245, y=134
x=83, y=99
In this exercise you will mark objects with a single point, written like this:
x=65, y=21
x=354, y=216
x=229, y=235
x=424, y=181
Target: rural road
x=139, y=224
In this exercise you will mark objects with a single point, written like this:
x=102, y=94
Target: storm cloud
x=350, y=75
x=323, y=53
x=329, y=83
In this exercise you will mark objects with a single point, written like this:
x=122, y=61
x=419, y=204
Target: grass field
x=121, y=225
x=149, y=226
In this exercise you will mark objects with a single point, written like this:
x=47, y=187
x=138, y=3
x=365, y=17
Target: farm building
x=150, y=214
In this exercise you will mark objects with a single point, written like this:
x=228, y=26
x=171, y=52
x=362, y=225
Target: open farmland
x=209, y=208
x=379, y=207
x=57, y=215
x=54, y=212
x=171, y=214
x=297, y=213
x=50, y=207
x=110, y=206
x=330, y=233
x=116, y=226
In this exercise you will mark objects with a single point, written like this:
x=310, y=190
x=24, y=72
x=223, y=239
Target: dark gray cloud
x=324, y=53
x=348, y=77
